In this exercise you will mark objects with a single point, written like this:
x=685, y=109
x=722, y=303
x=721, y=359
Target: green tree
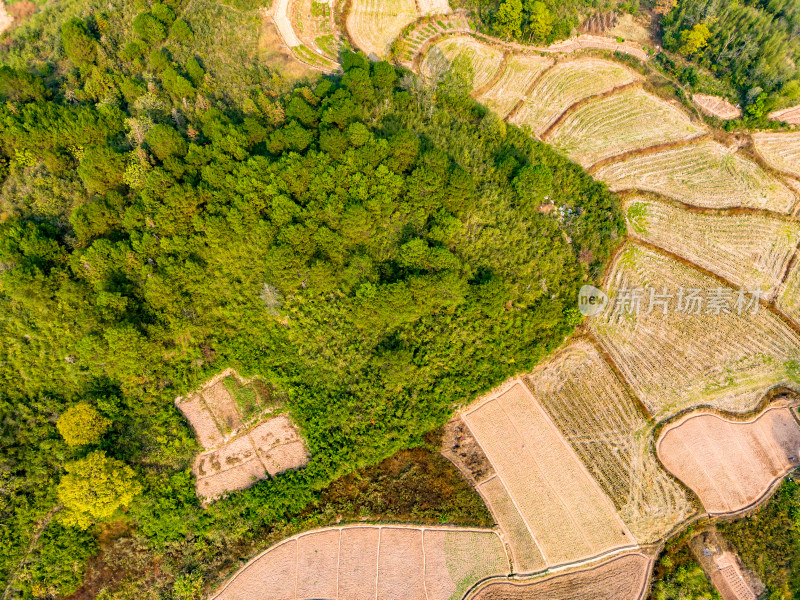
x=20, y=86
x=150, y=29
x=82, y=424
x=508, y=19
x=79, y=45
x=101, y=169
x=181, y=32
x=533, y=184
x=540, y=20
x=95, y=488
x=164, y=142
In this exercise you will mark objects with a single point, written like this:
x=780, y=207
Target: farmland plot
x=366, y=562
x=621, y=578
x=600, y=419
x=788, y=300
x=520, y=72
x=374, y=24
x=434, y=7
x=485, y=60
x=780, y=150
x=681, y=338
x=629, y=120
x=706, y=174
x=566, y=511
x=751, y=251
x=715, y=106
x=567, y=83
x=789, y=115
x=728, y=464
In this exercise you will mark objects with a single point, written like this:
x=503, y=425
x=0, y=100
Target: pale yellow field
x=682, y=359
x=629, y=120
x=706, y=174
x=788, y=299
x=751, y=251
x=520, y=72
x=485, y=60
x=567, y=83
x=374, y=24
x=565, y=510
x=597, y=415
x=780, y=150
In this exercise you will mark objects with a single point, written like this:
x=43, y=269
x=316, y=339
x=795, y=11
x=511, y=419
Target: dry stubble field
x=749, y=250
x=780, y=150
x=520, y=73
x=371, y=562
x=599, y=417
x=374, y=24
x=729, y=464
x=706, y=174
x=565, y=84
x=486, y=60
x=682, y=359
x=565, y=510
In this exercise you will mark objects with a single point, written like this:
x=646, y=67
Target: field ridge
x=648, y=150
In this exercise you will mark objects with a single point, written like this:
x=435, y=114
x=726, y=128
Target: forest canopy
x=378, y=250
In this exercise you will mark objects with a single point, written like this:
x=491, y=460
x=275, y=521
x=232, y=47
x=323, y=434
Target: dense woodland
x=370, y=245
x=752, y=44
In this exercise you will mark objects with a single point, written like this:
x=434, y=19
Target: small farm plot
x=680, y=338
x=715, y=106
x=600, y=419
x=706, y=174
x=367, y=562
x=374, y=24
x=457, y=560
x=566, y=511
x=279, y=445
x=621, y=578
x=752, y=251
x=565, y=84
x=485, y=60
x=434, y=7
x=629, y=120
x=520, y=73
x=780, y=150
x=789, y=115
x=731, y=465
x=525, y=553
x=788, y=300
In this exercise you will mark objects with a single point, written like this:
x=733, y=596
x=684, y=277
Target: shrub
x=82, y=424
x=150, y=29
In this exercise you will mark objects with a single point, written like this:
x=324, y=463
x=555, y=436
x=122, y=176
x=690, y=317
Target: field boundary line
x=378, y=562
x=501, y=69
x=648, y=150
x=521, y=102
x=584, y=101
x=424, y=567
x=767, y=304
x=513, y=501
x=625, y=193
x=338, y=564
x=297, y=566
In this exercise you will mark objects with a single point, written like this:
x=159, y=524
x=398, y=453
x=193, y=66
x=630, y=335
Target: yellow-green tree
x=508, y=20
x=82, y=424
x=695, y=39
x=95, y=488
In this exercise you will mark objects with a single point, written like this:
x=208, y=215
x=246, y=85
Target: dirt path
x=281, y=18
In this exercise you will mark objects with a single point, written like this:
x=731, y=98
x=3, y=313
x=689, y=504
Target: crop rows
x=413, y=41
x=703, y=350
x=788, y=300
x=599, y=418
x=485, y=59
x=751, y=251
x=564, y=85
x=566, y=511
x=374, y=24
x=371, y=562
x=729, y=464
x=629, y=120
x=520, y=72
x=621, y=578
x=706, y=174
x=780, y=150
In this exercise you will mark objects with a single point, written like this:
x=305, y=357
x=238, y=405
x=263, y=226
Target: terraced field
x=706, y=174
x=629, y=120
x=780, y=150
x=705, y=344
x=485, y=60
x=565, y=84
x=751, y=251
x=520, y=73
x=374, y=24
x=600, y=419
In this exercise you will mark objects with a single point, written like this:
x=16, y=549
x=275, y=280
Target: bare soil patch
x=460, y=447
x=272, y=575
x=358, y=563
x=622, y=578
x=788, y=115
x=731, y=465
x=401, y=571
x=631, y=28
x=716, y=106
x=566, y=511
x=318, y=564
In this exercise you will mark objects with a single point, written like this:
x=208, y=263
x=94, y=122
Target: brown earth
x=460, y=447
x=731, y=465
x=715, y=106
x=621, y=578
